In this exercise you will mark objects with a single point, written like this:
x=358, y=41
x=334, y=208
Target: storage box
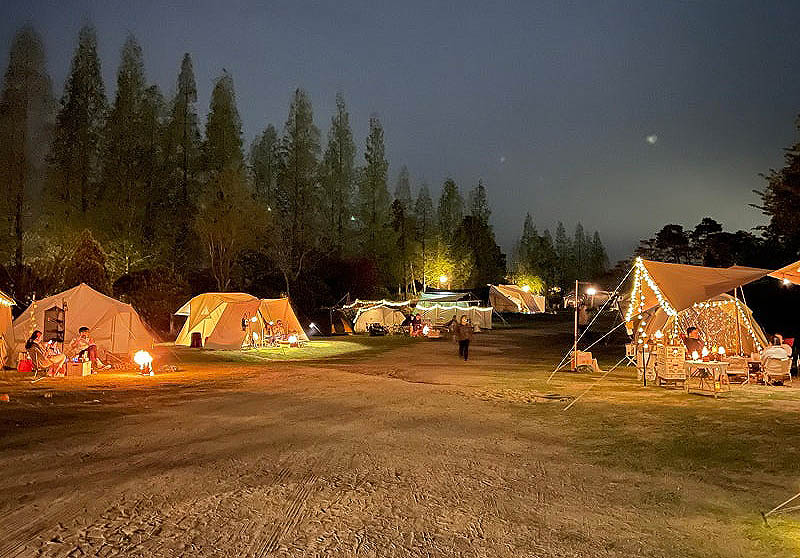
x=79, y=368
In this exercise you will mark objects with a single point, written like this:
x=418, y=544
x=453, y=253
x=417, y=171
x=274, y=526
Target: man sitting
x=692, y=341
x=84, y=346
x=775, y=350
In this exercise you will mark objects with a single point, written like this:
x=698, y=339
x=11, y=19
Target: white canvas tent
x=115, y=326
x=439, y=315
x=7, y=343
x=218, y=318
x=386, y=316
x=513, y=298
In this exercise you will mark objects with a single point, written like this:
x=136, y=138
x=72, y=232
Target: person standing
x=463, y=334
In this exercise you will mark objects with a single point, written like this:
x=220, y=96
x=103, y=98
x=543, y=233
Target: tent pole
x=575, y=330
x=738, y=323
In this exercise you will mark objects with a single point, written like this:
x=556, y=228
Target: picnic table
x=707, y=376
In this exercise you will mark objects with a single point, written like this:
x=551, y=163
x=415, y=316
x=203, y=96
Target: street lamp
x=591, y=291
x=442, y=280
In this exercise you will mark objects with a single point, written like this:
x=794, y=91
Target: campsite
x=399, y=280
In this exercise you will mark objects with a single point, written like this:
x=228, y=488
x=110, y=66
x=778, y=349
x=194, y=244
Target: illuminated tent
x=668, y=297
x=218, y=318
x=723, y=321
x=439, y=315
x=7, y=344
x=382, y=314
x=512, y=298
x=115, y=326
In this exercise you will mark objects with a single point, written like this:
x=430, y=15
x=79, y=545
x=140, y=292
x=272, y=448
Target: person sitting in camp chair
x=692, y=341
x=53, y=362
x=84, y=346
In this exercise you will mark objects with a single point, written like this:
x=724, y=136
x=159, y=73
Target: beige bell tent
x=723, y=321
x=513, y=298
x=670, y=297
x=7, y=344
x=386, y=316
x=218, y=318
x=115, y=326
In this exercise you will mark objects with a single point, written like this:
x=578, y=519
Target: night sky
x=623, y=115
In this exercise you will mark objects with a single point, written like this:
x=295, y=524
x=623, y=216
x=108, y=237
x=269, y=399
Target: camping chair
x=37, y=357
x=738, y=369
x=777, y=370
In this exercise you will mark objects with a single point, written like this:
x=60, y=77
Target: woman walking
x=463, y=334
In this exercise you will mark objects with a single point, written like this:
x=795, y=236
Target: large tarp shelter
x=7, y=343
x=513, y=298
x=115, y=326
x=382, y=314
x=676, y=287
x=669, y=297
x=218, y=318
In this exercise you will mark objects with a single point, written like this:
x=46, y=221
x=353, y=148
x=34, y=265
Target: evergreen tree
x=130, y=157
x=87, y=264
x=75, y=157
x=26, y=110
x=450, y=210
x=297, y=189
x=424, y=220
x=181, y=159
x=598, y=258
x=402, y=229
x=580, y=253
x=373, y=195
x=223, y=142
x=479, y=204
x=402, y=190
x=264, y=158
x=474, y=241
x=338, y=176
x=563, y=249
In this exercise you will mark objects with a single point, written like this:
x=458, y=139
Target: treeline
x=548, y=263
x=133, y=196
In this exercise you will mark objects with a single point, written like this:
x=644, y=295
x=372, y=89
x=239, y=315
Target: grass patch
x=323, y=349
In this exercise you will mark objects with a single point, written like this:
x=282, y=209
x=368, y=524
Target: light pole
x=591, y=291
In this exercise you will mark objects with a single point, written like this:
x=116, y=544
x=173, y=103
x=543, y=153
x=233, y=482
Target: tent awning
x=678, y=286
x=789, y=273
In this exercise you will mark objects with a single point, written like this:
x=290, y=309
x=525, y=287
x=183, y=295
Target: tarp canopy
x=677, y=286
x=513, y=298
x=723, y=321
x=218, y=318
x=7, y=343
x=115, y=326
x=386, y=316
x=789, y=273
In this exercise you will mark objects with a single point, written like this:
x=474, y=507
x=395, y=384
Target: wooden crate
x=79, y=368
x=670, y=364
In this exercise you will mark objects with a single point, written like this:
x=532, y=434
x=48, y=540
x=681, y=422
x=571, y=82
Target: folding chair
x=777, y=370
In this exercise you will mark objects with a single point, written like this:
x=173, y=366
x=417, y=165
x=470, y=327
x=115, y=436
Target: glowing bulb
x=786, y=282
x=722, y=350
x=254, y=319
x=695, y=356
x=705, y=351
x=591, y=291
x=526, y=288
x=292, y=339
x=443, y=279
x=659, y=334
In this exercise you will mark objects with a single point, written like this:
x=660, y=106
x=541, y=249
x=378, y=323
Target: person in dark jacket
x=463, y=334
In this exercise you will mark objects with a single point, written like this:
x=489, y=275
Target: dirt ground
x=402, y=451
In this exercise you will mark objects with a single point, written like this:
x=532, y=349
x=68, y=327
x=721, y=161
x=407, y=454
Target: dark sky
x=551, y=103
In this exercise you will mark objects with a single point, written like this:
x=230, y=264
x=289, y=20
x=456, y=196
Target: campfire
x=145, y=362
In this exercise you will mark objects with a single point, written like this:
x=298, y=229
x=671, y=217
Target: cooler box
x=79, y=368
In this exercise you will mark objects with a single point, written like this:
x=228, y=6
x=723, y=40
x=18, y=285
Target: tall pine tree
x=450, y=210
x=425, y=226
x=223, y=142
x=297, y=190
x=26, y=111
x=181, y=160
x=74, y=178
x=338, y=177
x=373, y=195
x=263, y=160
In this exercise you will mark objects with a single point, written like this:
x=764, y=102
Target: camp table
x=710, y=376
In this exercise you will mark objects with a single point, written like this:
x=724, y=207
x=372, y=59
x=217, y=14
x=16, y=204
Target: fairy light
x=637, y=294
